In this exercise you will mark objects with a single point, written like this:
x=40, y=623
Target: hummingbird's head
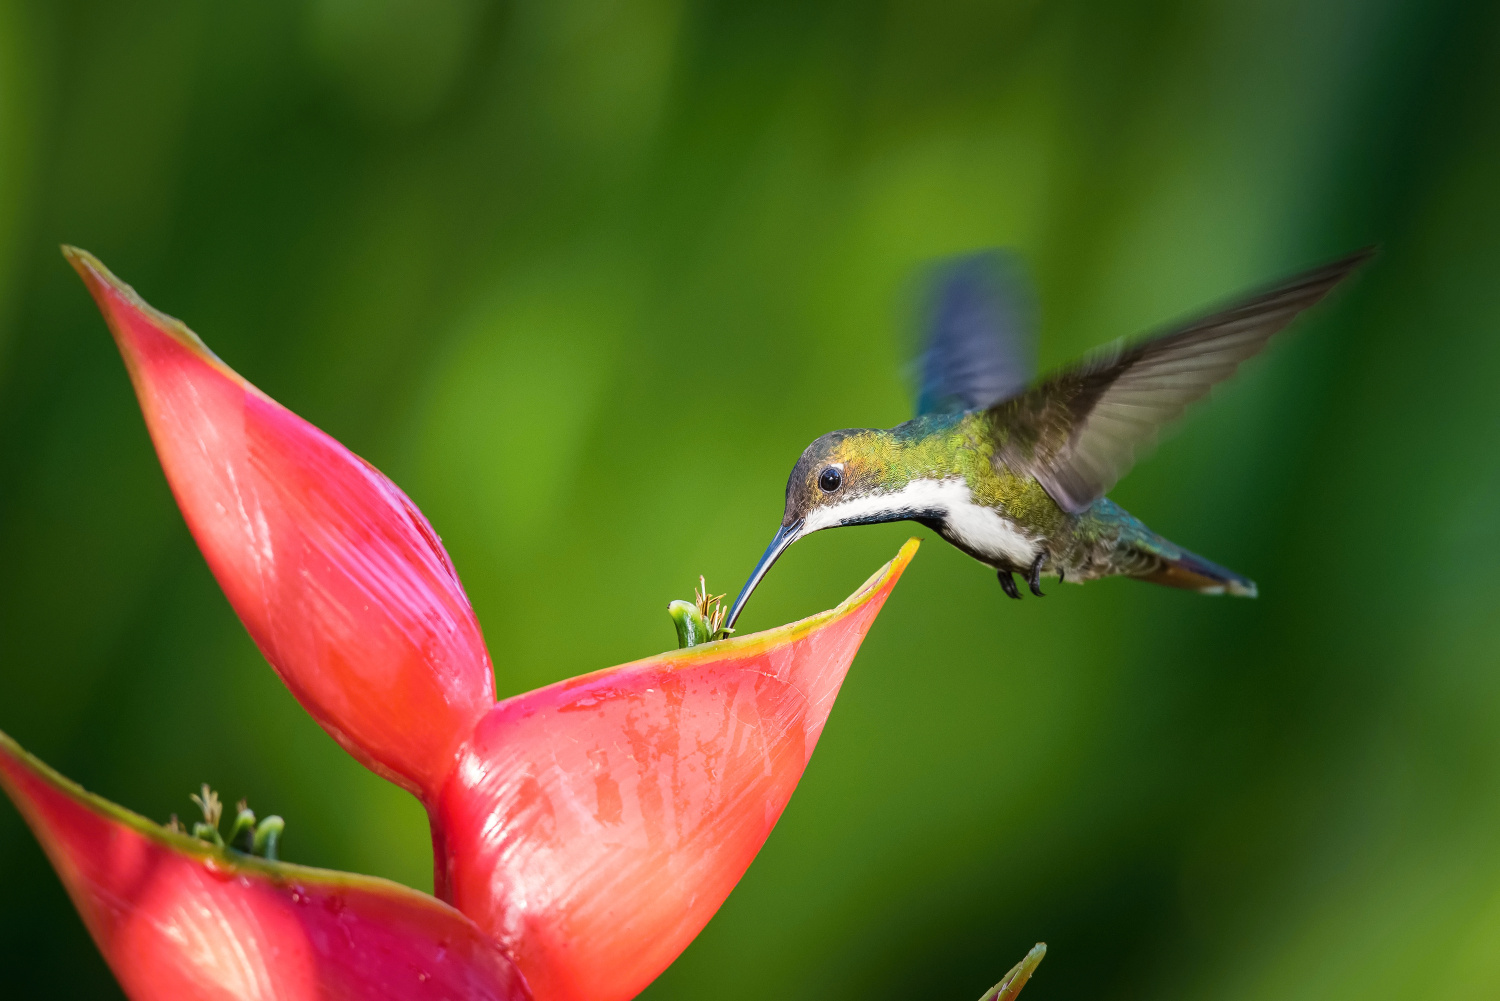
x=833, y=473
x=843, y=478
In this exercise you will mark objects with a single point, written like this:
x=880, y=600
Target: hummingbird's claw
x=1008, y=584
x=1034, y=575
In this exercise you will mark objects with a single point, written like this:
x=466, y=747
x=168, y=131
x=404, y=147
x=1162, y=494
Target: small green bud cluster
x=245, y=835
x=700, y=620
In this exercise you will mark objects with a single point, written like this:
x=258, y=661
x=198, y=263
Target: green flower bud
x=209, y=833
x=691, y=628
x=242, y=834
x=267, y=834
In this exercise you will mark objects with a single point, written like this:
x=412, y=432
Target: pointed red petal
x=335, y=573
x=179, y=921
x=594, y=826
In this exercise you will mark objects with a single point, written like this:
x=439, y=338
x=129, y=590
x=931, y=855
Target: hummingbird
x=1014, y=471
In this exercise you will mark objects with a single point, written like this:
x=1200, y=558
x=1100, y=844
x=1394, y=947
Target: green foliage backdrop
x=584, y=276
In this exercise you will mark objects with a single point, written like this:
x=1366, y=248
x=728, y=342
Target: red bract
x=591, y=827
x=335, y=573
x=179, y=921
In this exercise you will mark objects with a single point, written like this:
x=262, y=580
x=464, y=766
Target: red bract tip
x=338, y=577
x=179, y=921
x=594, y=826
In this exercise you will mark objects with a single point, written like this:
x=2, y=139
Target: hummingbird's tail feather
x=1192, y=572
x=1141, y=553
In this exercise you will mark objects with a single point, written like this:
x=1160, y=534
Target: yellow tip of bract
x=1007, y=989
x=904, y=556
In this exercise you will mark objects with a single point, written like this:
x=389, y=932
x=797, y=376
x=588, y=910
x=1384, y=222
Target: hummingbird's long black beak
x=785, y=536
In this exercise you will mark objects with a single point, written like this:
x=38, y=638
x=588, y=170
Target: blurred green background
x=584, y=276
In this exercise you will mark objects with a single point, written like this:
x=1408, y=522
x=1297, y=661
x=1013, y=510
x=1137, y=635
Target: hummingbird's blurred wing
x=980, y=331
x=1078, y=431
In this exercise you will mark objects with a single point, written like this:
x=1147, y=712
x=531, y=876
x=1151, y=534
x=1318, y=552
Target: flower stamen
x=245, y=835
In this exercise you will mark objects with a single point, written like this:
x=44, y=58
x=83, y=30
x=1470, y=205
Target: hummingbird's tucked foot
x=1008, y=584
x=1034, y=576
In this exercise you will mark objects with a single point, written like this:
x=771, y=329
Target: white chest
x=981, y=530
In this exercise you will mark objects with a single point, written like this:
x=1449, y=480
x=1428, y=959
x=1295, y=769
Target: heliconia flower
x=178, y=920
x=591, y=827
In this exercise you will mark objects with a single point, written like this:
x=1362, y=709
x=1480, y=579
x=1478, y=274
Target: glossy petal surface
x=177, y=921
x=594, y=826
x=337, y=576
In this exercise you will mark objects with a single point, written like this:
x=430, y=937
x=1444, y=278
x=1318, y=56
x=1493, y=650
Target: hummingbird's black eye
x=830, y=479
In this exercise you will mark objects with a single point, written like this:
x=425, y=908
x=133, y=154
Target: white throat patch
x=981, y=529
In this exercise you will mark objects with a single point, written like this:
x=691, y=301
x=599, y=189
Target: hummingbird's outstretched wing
x=980, y=331
x=1078, y=431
